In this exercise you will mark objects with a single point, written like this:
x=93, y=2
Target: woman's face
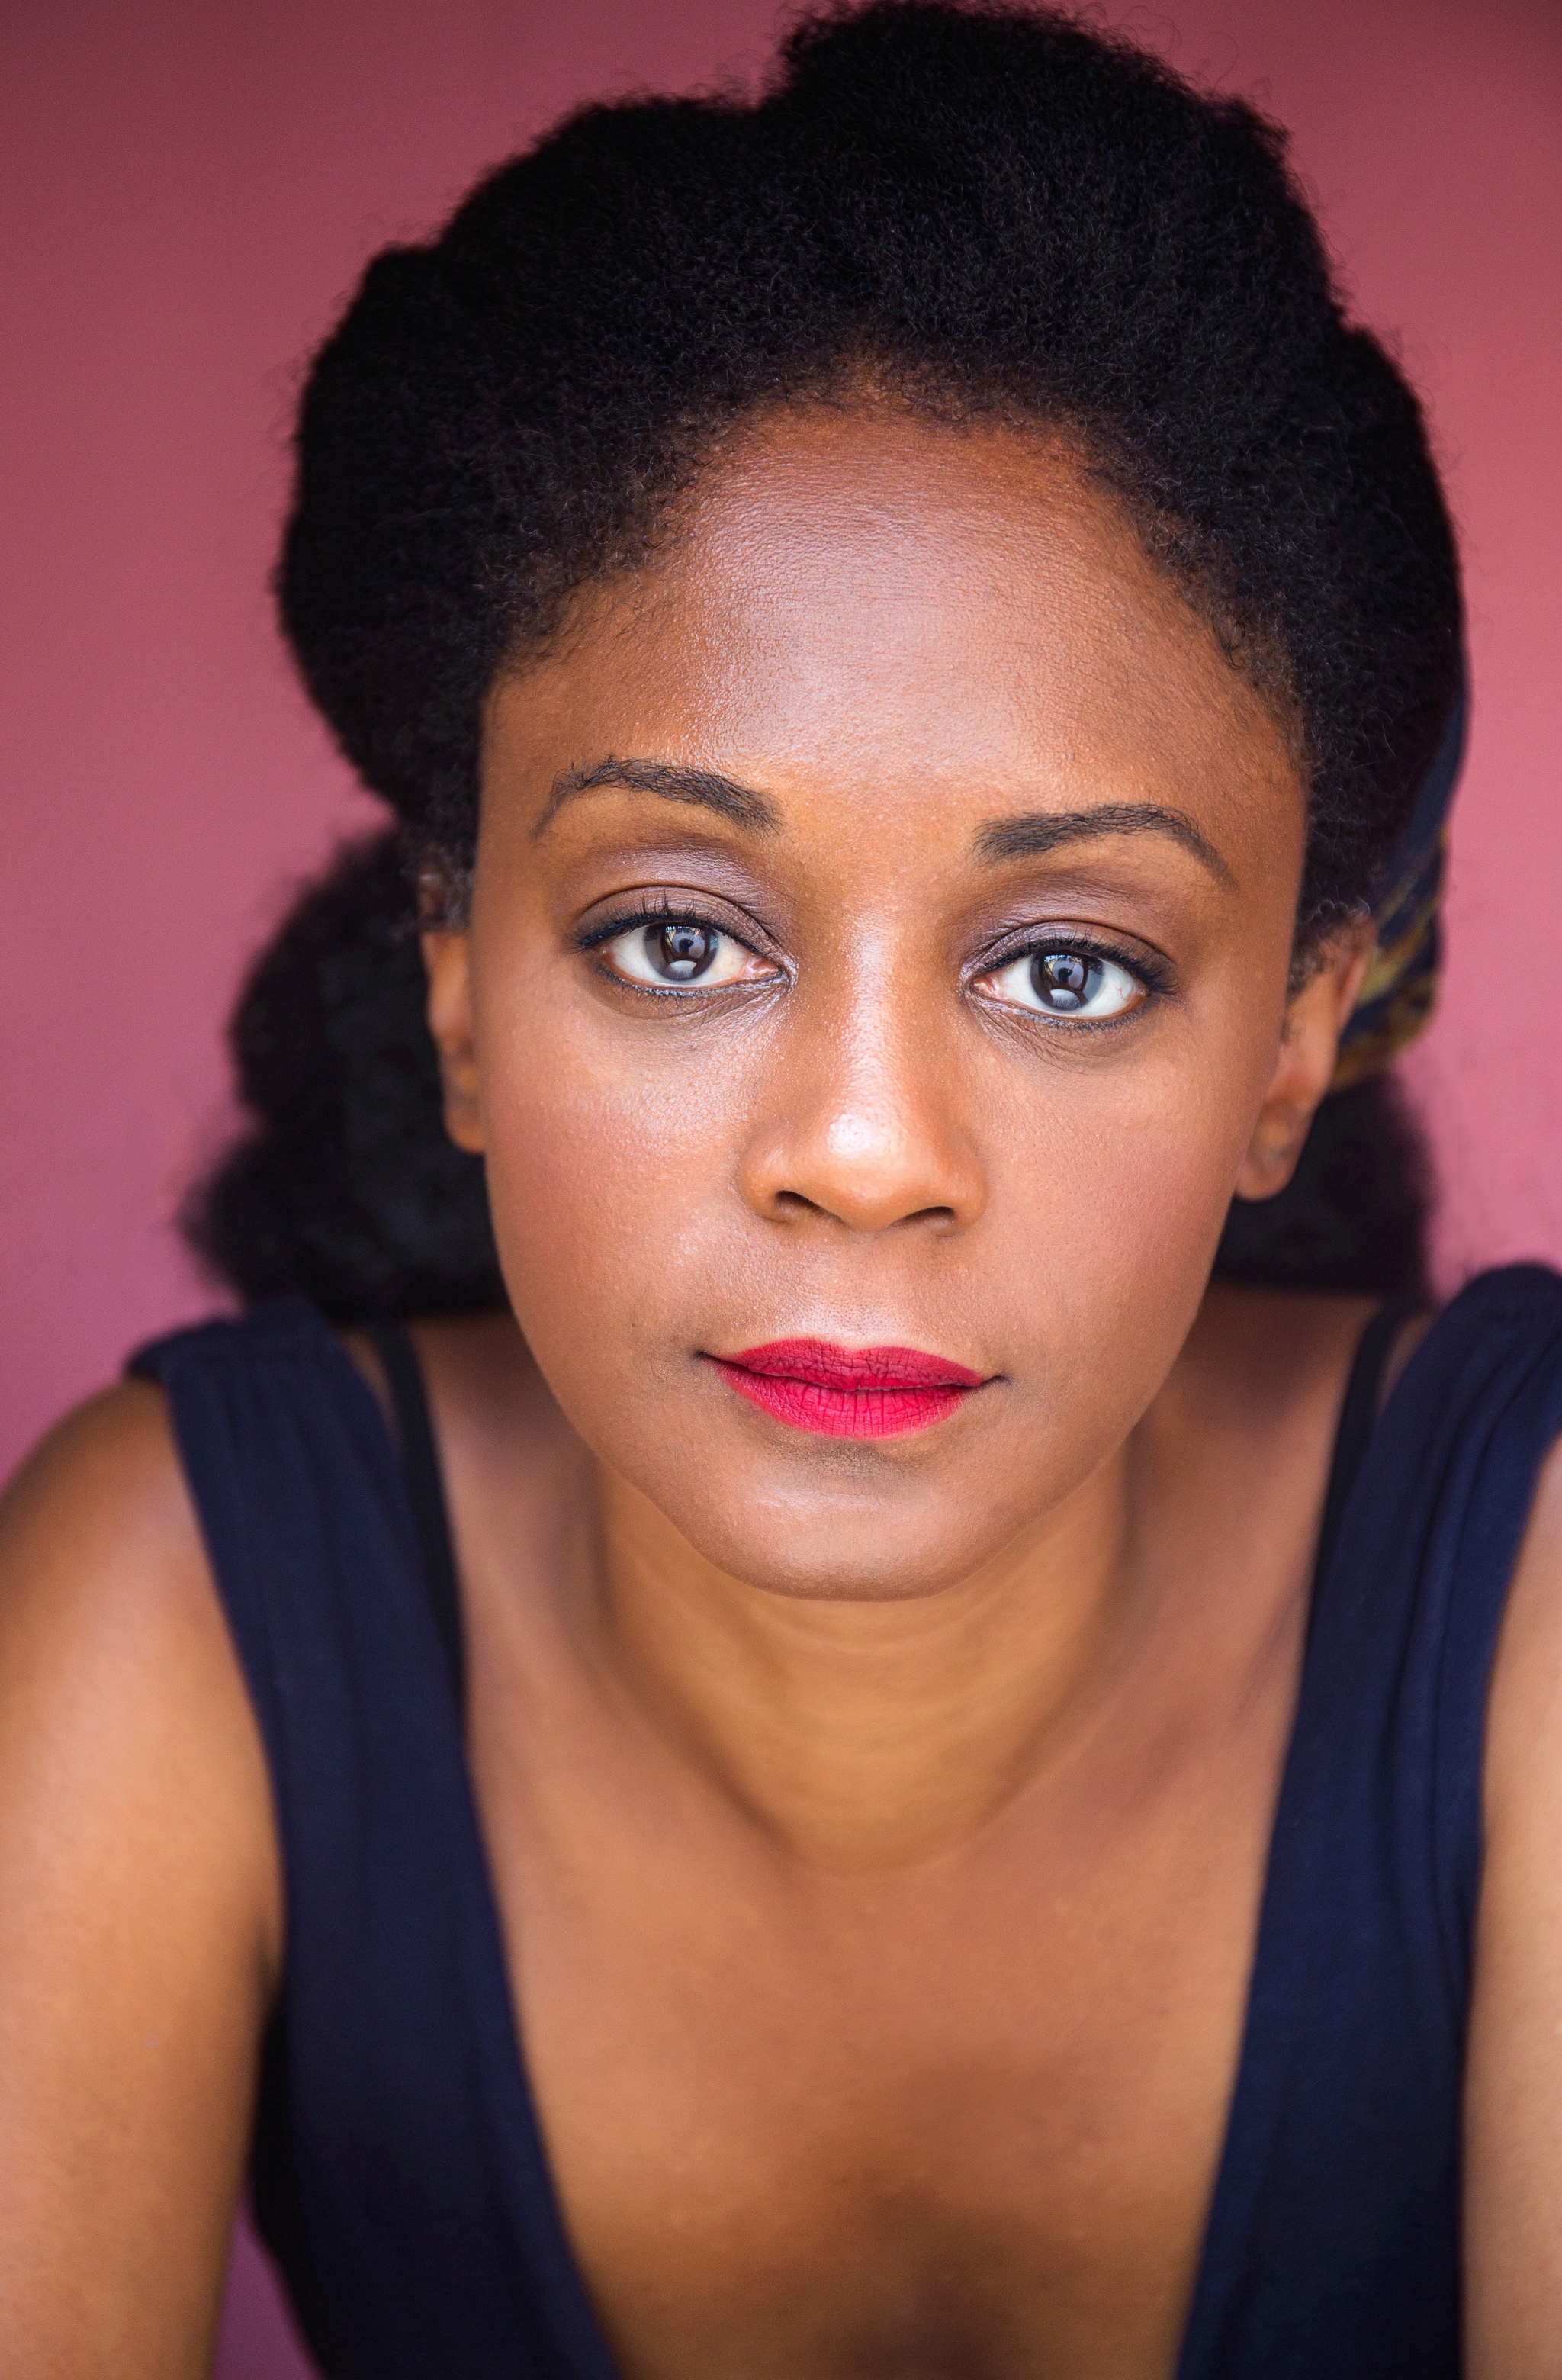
x=879, y=939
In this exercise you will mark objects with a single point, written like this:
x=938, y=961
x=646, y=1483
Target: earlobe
x=1274, y=1149
x=1304, y=1067
x=446, y=961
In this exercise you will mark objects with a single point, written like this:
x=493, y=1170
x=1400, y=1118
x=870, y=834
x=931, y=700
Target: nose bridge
x=867, y=1116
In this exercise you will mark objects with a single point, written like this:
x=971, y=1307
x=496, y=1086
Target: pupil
x=1064, y=980
x=680, y=951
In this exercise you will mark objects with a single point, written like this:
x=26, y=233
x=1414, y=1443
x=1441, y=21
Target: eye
x=1079, y=985
x=671, y=951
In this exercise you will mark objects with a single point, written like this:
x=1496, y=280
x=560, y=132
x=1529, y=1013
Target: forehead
x=878, y=600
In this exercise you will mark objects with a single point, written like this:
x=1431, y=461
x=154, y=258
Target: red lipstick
x=848, y=1391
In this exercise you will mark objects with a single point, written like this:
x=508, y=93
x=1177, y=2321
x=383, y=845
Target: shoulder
x=118, y=1683
x=1523, y=1755
x=139, y=1904
x=98, y=1540
x=1514, y=2102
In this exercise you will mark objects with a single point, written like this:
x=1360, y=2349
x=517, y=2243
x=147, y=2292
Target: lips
x=848, y=1391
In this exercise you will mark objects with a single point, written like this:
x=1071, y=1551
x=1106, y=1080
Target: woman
x=882, y=1779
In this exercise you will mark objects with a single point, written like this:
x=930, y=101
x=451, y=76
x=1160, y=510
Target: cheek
x=1109, y=1198
x=609, y=1176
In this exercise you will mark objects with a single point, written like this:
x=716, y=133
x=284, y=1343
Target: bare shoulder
x=1524, y=1730
x=108, y=1616
x=139, y=1904
x=104, y=1488
x=1514, y=2094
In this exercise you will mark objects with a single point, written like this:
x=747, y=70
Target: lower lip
x=869, y=1398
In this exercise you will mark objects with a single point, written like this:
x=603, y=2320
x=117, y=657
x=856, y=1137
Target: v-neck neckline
x=1252, y=2104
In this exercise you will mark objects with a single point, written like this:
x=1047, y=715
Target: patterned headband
x=1399, y=989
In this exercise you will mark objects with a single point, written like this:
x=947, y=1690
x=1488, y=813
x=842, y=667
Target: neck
x=870, y=1734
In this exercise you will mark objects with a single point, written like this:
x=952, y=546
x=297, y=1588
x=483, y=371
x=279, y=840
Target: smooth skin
x=877, y=1827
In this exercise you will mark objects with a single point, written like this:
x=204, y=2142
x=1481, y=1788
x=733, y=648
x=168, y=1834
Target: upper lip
x=832, y=1366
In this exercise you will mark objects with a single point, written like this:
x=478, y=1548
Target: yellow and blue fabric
x=1400, y=989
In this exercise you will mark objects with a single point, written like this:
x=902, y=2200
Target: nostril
x=935, y=1218
x=791, y=1206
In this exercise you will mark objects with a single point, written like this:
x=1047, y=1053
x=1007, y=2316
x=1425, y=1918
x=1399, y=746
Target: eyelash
x=653, y=913
x=1152, y=972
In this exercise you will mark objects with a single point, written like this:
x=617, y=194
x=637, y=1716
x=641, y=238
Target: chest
x=960, y=2124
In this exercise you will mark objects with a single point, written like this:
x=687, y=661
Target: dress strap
x=425, y=1490
x=1332, y=2250
x=399, y=2172
x=1357, y=1416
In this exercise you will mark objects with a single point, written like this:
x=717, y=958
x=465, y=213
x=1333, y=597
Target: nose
x=866, y=1127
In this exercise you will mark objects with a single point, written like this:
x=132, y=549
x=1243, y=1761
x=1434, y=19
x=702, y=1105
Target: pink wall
x=193, y=185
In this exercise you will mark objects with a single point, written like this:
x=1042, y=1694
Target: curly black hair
x=972, y=210
x=347, y=1190
x=986, y=208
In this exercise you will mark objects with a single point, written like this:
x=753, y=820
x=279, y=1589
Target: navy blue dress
x=399, y=2175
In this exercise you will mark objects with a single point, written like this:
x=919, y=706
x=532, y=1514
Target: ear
x=1315, y=1018
x=446, y=960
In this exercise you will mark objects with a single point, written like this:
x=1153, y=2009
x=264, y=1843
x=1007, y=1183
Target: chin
x=877, y=1540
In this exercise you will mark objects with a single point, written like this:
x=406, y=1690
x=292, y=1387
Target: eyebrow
x=703, y=788
x=1044, y=831
x=1021, y=837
